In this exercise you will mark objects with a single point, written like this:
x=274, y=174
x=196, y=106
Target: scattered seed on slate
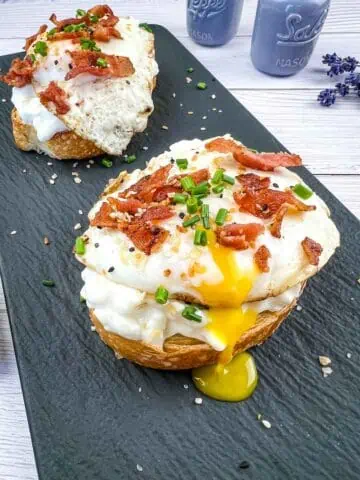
x=244, y=464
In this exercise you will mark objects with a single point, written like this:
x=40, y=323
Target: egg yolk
x=232, y=379
x=232, y=382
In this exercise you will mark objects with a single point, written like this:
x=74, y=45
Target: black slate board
x=88, y=419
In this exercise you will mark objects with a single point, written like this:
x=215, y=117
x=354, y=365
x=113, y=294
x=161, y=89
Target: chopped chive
x=200, y=237
x=79, y=246
x=182, y=163
x=80, y=13
x=191, y=221
x=146, y=27
x=191, y=205
x=187, y=183
x=161, y=295
x=205, y=215
x=200, y=189
x=105, y=162
x=190, y=70
x=69, y=28
x=51, y=32
x=190, y=313
x=228, y=179
x=204, y=240
x=130, y=158
x=101, y=62
x=82, y=299
x=302, y=191
x=218, y=176
x=32, y=57
x=221, y=216
x=179, y=198
x=218, y=189
x=48, y=283
x=94, y=18
x=87, y=44
x=201, y=85
x=41, y=48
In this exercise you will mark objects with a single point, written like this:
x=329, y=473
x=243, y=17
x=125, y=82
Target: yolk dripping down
x=231, y=379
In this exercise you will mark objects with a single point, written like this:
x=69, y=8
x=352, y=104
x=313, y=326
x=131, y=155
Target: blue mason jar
x=285, y=34
x=213, y=22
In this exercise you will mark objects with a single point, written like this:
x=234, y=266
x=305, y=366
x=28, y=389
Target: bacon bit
x=30, y=40
x=20, y=73
x=259, y=161
x=167, y=272
x=145, y=237
x=110, y=21
x=162, y=193
x=103, y=218
x=85, y=62
x=251, y=182
x=145, y=189
x=198, y=177
x=239, y=236
x=130, y=205
x=103, y=34
x=265, y=203
x=160, y=212
x=74, y=36
x=56, y=95
x=60, y=24
x=100, y=11
x=275, y=227
x=261, y=258
x=312, y=250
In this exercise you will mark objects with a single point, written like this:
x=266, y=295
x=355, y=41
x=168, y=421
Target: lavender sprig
x=327, y=97
x=339, y=65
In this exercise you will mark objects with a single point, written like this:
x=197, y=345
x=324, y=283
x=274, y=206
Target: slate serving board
x=87, y=418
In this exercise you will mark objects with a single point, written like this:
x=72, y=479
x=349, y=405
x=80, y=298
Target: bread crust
x=62, y=146
x=181, y=353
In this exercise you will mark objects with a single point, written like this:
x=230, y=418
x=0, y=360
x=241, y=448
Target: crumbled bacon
x=30, y=40
x=103, y=217
x=100, y=11
x=74, y=36
x=109, y=21
x=145, y=189
x=104, y=34
x=60, y=24
x=275, y=227
x=84, y=61
x=158, y=212
x=261, y=258
x=265, y=203
x=130, y=205
x=144, y=236
x=251, y=182
x=239, y=236
x=198, y=177
x=162, y=193
x=56, y=95
x=312, y=250
x=259, y=161
x=20, y=73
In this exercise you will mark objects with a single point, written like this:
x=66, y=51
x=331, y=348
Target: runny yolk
x=232, y=379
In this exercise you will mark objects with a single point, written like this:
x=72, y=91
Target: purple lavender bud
x=343, y=89
x=350, y=64
x=329, y=59
x=327, y=97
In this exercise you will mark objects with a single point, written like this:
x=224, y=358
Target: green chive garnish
x=221, y=216
x=69, y=28
x=32, y=57
x=101, y=62
x=218, y=189
x=161, y=295
x=190, y=70
x=191, y=221
x=130, y=158
x=200, y=189
x=205, y=215
x=190, y=313
x=41, y=48
x=187, y=183
x=192, y=205
x=51, y=32
x=200, y=237
x=228, y=179
x=105, y=162
x=182, y=163
x=80, y=13
x=79, y=246
x=201, y=86
x=218, y=176
x=87, y=44
x=94, y=18
x=146, y=27
x=302, y=191
x=179, y=198
x=48, y=283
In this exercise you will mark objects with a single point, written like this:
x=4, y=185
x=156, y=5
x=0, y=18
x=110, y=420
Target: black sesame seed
x=70, y=66
x=221, y=195
x=155, y=230
x=244, y=464
x=213, y=79
x=56, y=62
x=264, y=207
x=96, y=245
x=275, y=185
x=127, y=81
x=172, y=161
x=131, y=249
x=111, y=269
x=197, y=153
x=100, y=228
x=182, y=215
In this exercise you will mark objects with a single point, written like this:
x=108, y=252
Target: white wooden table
x=327, y=139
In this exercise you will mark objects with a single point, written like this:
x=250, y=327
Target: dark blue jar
x=285, y=34
x=213, y=22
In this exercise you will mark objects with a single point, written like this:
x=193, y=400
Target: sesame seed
x=213, y=96
x=145, y=148
x=299, y=308
x=140, y=389
x=174, y=95
x=75, y=164
x=182, y=215
x=49, y=163
x=74, y=174
x=259, y=416
x=139, y=468
x=93, y=329
x=131, y=249
x=327, y=371
x=348, y=355
x=54, y=176
x=244, y=464
x=51, y=181
x=13, y=232
x=190, y=113
x=275, y=185
x=220, y=111
x=324, y=361
x=3, y=100
x=181, y=104
x=188, y=80
x=186, y=386
x=88, y=165
x=204, y=117
x=165, y=127
x=24, y=171
x=80, y=212
x=358, y=280
x=266, y=423
x=96, y=245
x=77, y=180
x=172, y=160
x=77, y=226
x=91, y=162
x=202, y=128
x=111, y=269
x=46, y=241
x=198, y=401
x=214, y=109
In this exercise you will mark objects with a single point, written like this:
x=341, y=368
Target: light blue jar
x=285, y=34
x=213, y=22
